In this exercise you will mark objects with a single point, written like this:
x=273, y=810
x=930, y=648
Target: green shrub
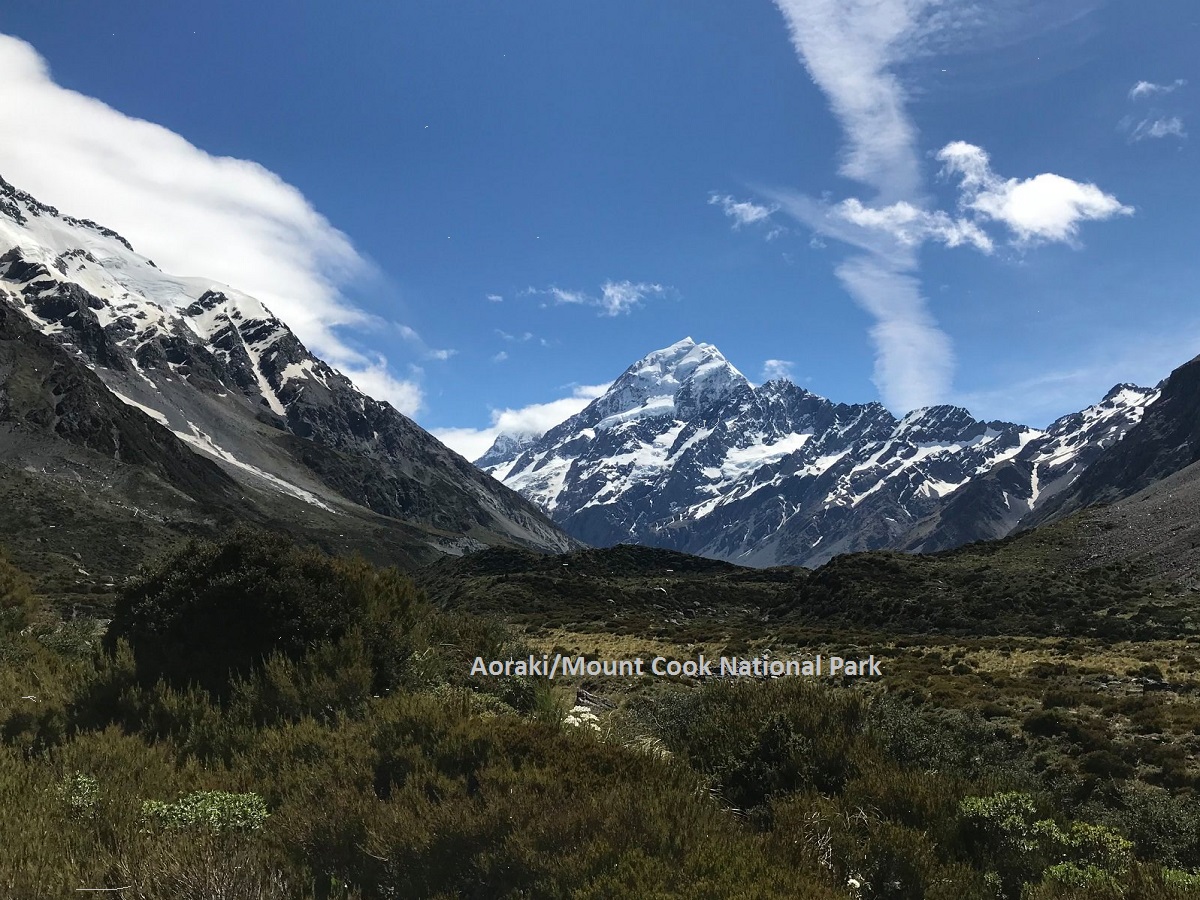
x=1092, y=879
x=80, y=792
x=17, y=602
x=210, y=612
x=1022, y=849
x=1179, y=879
x=214, y=810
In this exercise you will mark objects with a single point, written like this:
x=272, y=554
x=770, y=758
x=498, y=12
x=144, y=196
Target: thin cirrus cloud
x=1157, y=124
x=526, y=422
x=1145, y=89
x=852, y=50
x=423, y=349
x=1154, y=127
x=195, y=214
x=742, y=212
x=615, y=297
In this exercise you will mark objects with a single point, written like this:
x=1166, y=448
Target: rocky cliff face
x=212, y=369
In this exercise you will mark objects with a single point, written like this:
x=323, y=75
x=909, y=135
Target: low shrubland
x=263, y=721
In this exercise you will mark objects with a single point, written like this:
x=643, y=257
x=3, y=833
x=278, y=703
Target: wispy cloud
x=495, y=298
x=527, y=421
x=1149, y=89
x=743, y=212
x=500, y=357
x=853, y=50
x=774, y=369
x=915, y=361
x=423, y=349
x=1160, y=126
x=1080, y=375
x=615, y=297
x=1155, y=123
x=911, y=226
x=522, y=337
x=191, y=212
x=850, y=48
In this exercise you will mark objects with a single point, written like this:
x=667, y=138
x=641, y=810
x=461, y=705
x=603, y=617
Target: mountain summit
x=683, y=378
x=683, y=452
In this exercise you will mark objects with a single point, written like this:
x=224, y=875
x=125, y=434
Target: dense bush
x=16, y=597
x=212, y=611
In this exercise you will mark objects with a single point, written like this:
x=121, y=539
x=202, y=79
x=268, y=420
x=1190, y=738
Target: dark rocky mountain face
x=202, y=387
x=1017, y=491
x=684, y=453
x=45, y=393
x=1165, y=441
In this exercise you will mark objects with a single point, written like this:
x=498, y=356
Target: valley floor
x=259, y=721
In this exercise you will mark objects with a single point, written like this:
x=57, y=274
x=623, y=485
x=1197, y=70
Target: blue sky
x=905, y=200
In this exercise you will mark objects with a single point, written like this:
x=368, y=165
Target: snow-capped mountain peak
x=679, y=379
x=683, y=452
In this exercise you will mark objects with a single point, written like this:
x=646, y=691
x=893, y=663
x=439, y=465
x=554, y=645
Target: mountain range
x=137, y=406
x=146, y=401
x=683, y=452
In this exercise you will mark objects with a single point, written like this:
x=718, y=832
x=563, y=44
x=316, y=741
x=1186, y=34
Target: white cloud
x=743, y=212
x=495, y=298
x=1150, y=89
x=194, y=214
x=617, y=297
x=909, y=225
x=1156, y=127
x=521, y=338
x=849, y=47
x=375, y=379
x=774, y=369
x=853, y=50
x=576, y=298
x=413, y=337
x=528, y=421
x=914, y=358
x=614, y=299
x=500, y=357
x=914, y=361
x=1046, y=207
x=1157, y=123
x=469, y=443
